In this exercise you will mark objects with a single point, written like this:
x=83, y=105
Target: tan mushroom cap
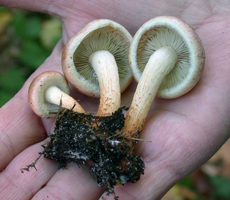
x=46, y=91
x=173, y=32
x=111, y=37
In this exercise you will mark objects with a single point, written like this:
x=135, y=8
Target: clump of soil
x=97, y=142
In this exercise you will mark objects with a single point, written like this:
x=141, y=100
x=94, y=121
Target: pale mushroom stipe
x=47, y=91
x=167, y=58
x=101, y=47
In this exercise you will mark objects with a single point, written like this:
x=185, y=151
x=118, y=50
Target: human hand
x=185, y=132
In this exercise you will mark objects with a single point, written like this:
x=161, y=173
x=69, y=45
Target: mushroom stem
x=104, y=64
x=54, y=95
x=159, y=65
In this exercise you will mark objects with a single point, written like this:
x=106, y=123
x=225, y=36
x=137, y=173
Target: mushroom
x=46, y=92
x=95, y=62
x=167, y=58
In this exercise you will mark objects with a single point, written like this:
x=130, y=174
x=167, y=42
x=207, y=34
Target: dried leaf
x=6, y=18
x=51, y=32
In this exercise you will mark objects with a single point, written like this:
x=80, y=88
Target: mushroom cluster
x=95, y=62
x=165, y=56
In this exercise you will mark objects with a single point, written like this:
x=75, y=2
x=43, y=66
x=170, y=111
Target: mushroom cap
x=169, y=31
x=37, y=89
x=98, y=35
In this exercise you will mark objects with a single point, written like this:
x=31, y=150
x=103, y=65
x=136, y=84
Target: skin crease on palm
x=184, y=132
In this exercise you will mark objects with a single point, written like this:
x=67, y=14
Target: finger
x=19, y=126
x=22, y=186
x=71, y=183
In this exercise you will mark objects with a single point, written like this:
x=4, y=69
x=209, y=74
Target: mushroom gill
x=107, y=39
x=156, y=38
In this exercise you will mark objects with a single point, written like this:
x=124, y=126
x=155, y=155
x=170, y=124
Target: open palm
x=184, y=132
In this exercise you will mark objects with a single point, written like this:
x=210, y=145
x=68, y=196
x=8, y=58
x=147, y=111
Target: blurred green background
x=27, y=39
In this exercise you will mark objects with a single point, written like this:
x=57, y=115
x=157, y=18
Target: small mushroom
x=95, y=62
x=167, y=58
x=46, y=92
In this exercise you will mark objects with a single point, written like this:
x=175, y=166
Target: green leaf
x=221, y=186
x=25, y=27
x=2, y=9
x=12, y=80
x=5, y=96
x=33, y=54
x=186, y=182
x=10, y=83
